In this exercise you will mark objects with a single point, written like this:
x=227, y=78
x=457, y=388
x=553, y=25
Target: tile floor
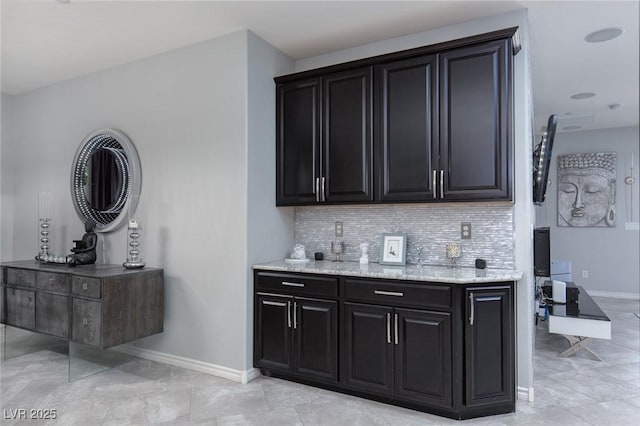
x=569, y=391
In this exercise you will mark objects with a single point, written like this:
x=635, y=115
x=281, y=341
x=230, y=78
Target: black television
x=541, y=160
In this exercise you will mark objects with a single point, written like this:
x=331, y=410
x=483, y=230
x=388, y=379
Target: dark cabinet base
x=492, y=410
x=444, y=349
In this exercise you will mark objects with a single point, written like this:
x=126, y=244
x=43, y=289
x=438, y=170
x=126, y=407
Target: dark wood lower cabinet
x=394, y=341
x=297, y=335
x=489, y=346
x=368, y=349
x=404, y=353
x=423, y=357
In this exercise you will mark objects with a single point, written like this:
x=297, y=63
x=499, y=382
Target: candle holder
x=44, y=239
x=337, y=248
x=453, y=252
x=134, y=261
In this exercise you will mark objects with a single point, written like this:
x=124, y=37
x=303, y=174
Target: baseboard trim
x=191, y=364
x=525, y=394
x=613, y=294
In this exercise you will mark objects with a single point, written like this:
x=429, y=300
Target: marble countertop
x=441, y=274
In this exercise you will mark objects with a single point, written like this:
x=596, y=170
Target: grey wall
x=522, y=218
x=269, y=229
x=6, y=194
x=610, y=255
x=187, y=113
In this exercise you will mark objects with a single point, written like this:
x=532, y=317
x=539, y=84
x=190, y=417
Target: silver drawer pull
x=292, y=284
x=389, y=293
x=51, y=280
x=85, y=286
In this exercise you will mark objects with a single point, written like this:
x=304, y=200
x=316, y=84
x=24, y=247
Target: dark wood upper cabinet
x=324, y=139
x=347, y=137
x=407, y=132
x=298, y=141
x=475, y=122
x=428, y=124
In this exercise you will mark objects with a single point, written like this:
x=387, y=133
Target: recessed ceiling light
x=583, y=95
x=572, y=128
x=604, y=34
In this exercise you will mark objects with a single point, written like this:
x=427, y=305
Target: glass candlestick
x=134, y=261
x=453, y=252
x=44, y=239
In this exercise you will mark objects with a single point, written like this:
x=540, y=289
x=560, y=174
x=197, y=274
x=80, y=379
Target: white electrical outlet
x=339, y=229
x=585, y=273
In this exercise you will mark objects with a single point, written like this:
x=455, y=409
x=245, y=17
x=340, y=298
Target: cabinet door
x=489, y=345
x=316, y=338
x=368, y=348
x=273, y=332
x=298, y=139
x=423, y=356
x=406, y=139
x=21, y=308
x=52, y=314
x=475, y=116
x=347, y=156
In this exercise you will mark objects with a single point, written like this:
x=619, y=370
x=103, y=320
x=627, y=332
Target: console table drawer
x=299, y=284
x=422, y=295
x=52, y=314
x=51, y=281
x=85, y=286
x=86, y=326
x=21, y=277
x=21, y=308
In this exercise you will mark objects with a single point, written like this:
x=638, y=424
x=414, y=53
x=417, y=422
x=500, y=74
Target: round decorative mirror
x=106, y=178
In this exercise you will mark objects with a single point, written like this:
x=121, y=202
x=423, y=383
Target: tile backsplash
x=430, y=226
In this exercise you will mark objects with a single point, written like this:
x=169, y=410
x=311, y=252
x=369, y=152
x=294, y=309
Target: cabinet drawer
x=297, y=283
x=21, y=308
x=86, y=325
x=21, y=277
x=51, y=281
x=394, y=293
x=85, y=286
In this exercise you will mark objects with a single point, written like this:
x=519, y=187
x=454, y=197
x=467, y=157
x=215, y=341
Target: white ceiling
x=44, y=42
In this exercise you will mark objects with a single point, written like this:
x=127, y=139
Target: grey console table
x=97, y=306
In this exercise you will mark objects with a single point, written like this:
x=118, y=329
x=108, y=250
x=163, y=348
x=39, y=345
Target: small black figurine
x=84, y=252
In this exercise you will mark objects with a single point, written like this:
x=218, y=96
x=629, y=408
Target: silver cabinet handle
x=441, y=183
x=389, y=293
x=396, y=328
x=323, y=195
x=290, y=284
x=289, y=314
x=317, y=190
x=295, y=315
x=435, y=177
x=471, y=313
x=388, y=328
x=85, y=322
x=85, y=286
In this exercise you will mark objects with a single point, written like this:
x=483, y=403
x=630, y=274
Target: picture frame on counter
x=394, y=249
